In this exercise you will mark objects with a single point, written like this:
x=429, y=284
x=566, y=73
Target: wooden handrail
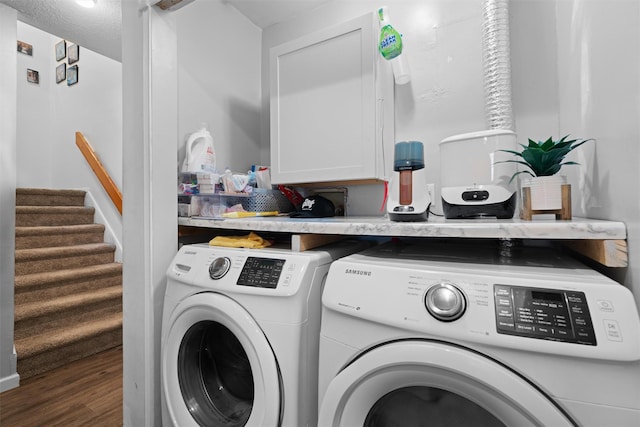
x=97, y=167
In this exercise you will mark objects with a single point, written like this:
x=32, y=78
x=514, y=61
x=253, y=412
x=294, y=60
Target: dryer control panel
x=544, y=314
x=261, y=272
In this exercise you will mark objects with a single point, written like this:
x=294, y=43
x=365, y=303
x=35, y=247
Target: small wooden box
x=564, y=213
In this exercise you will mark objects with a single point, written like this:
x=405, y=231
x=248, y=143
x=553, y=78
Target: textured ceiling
x=99, y=28
x=265, y=13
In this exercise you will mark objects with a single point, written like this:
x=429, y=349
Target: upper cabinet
x=331, y=106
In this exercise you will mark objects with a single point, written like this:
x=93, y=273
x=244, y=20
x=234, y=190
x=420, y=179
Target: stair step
x=38, y=317
x=44, y=342
x=64, y=235
x=51, y=350
x=65, y=303
x=49, y=197
x=38, y=260
x=32, y=216
x=51, y=284
x=68, y=289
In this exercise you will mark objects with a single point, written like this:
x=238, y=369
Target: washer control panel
x=261, y=272
x=544, y=314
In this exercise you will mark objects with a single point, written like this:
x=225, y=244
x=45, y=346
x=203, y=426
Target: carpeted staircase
x=68, y=289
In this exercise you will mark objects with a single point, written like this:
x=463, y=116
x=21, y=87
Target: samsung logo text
x=357, y=272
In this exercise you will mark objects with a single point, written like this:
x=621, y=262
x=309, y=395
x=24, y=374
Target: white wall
x=443, y=44
x=35, y=136
x=8, y=376
x=50, y=113
x=150, y=204
x=223, y=78
x=576, y=70
x=219, y=81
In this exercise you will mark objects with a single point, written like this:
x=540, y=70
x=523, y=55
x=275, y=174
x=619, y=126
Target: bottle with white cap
x=391, y=48
x=199, y=152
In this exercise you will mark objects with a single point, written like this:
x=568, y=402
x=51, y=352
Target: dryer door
x=217, y=366
x=416, y=381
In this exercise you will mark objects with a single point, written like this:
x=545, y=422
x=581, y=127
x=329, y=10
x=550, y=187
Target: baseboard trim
x=9, y=382
x=99, y=217
x=13, y=380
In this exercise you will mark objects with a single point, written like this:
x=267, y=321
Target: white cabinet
x=331, y=106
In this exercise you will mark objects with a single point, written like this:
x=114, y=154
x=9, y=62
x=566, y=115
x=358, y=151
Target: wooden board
x=610, y=253
x=172, y=4
x=303, y=242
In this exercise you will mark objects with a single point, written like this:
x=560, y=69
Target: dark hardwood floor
x=87, y=392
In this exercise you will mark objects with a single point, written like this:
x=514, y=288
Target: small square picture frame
x=61, y=50
x=72, y=75
x=25, y=48
x=73, y=53
x=61, y=72
x=33, y=76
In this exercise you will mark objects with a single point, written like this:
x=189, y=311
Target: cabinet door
x=326, y=113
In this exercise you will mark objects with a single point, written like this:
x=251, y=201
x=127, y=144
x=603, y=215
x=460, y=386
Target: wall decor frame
x=33, y=76
x=73, y=53
x=61, y=72
x=61, y=50
x=25, y=48
x=72, y=75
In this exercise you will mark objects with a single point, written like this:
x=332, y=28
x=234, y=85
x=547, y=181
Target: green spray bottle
x=390, y=47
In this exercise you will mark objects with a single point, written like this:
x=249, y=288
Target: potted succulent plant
x=543, y=161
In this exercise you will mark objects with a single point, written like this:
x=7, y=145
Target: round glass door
x=215, y=376
x=218, y=368
x=418, y=383
x=418, y=406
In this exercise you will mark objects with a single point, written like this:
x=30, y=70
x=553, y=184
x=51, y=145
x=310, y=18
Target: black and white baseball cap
x=315, y=207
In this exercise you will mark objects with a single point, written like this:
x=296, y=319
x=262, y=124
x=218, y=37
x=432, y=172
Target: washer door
x=411, y=383
x=218, y=368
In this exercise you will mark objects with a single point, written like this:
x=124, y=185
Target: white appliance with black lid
x=466, y=336
x=475, y=182
x=240, y=334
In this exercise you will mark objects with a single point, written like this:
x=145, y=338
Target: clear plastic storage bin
x=214, y=205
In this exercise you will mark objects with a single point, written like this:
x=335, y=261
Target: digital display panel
x=548, y=296
x=261, y=272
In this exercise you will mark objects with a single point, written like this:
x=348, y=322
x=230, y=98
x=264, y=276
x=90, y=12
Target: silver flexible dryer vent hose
x=497, y=65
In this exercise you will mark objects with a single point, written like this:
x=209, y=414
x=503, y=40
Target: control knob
x=445, y=302
x=219, y=267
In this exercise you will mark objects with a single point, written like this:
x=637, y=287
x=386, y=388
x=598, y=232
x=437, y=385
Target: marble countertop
x=577, y=228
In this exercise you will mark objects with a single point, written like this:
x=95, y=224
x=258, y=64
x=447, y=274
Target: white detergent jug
x=199, y=153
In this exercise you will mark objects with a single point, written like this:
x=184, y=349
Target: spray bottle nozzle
x=382, y=14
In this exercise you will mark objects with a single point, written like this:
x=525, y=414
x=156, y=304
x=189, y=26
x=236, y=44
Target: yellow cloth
x=251, y=240
x=246, y=214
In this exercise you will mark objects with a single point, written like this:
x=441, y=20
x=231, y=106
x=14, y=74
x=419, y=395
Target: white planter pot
x=545, y=191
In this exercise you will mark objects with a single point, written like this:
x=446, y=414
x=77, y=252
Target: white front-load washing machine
x=240, y=334
x=439, y=334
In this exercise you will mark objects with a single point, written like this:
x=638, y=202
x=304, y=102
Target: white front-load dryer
x=439, y=334
x=240, y=335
